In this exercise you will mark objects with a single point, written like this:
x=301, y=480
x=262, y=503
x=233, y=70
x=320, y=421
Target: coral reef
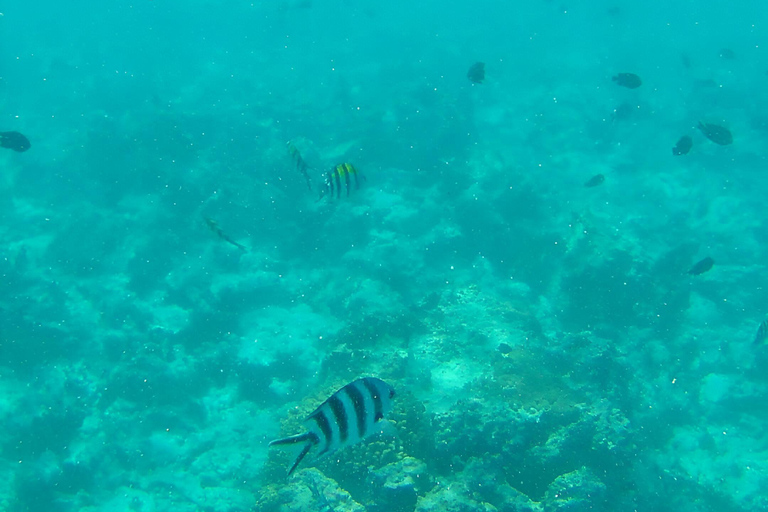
x=549, y=348
x=578, y=490
x=396, y=486
x=309, y=490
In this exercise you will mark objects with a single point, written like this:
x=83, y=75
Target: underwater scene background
x=518, y=260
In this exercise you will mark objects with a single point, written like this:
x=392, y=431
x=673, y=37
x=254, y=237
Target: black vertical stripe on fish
x=338, y=181
x=343, y=171
x=358, y=402
x=346, y=177
x=325, y=427
x=377, y=405
x=341, y=417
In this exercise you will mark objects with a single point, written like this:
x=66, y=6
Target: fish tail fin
x=303, y=454
x=308, y=438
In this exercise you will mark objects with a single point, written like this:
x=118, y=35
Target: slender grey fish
x=762, y=332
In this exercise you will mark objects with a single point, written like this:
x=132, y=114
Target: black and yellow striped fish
x=301, y=165
x=348, y=416
x=334, y=177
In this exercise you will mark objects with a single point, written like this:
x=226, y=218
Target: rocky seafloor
x=549, y=350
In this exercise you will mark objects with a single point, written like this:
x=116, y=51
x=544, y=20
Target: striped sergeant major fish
x=347, y=417
x=335, y=176
x=301, y=165
x=762, y=332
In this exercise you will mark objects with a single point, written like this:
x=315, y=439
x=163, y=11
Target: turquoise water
x=548, y=347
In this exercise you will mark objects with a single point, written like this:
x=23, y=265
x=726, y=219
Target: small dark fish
x=301, y=165
x=14, y=141
x=594, y=181
x=216, y=229
x=476, y=73
x=504, y=348
x=628, y=80
x=683, y=146
x=716, y=133
x=333, y=180
x=762, y=332
x=347, y=417
x=702, y=266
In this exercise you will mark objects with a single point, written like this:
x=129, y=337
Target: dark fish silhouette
x=505, y=348
x=683, y=146
x=334, y=177
x=594, y=181
x=476, y=73
x=716, y=133
x=702, y=266
x=301, y=165
x=347, y=417
x=762, y=332
x=628, y=80
x=14, y=141
x=216, y=229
